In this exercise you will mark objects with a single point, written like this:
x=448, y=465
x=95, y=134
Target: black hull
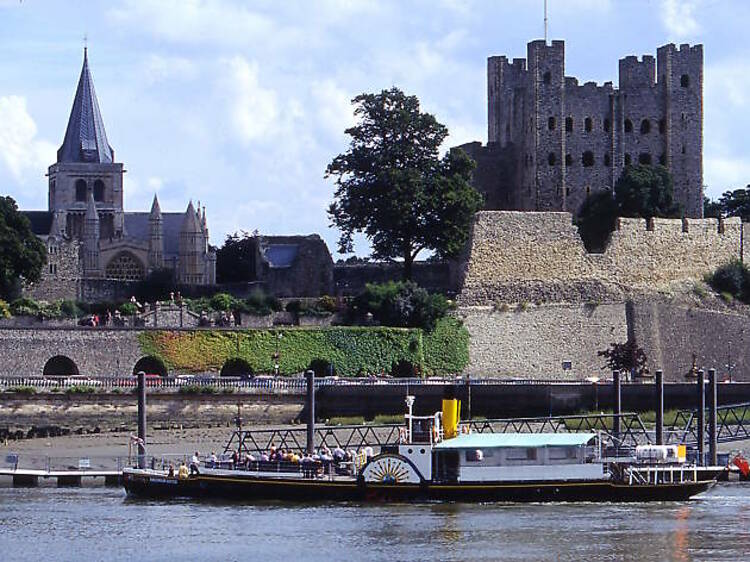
x=253, y=488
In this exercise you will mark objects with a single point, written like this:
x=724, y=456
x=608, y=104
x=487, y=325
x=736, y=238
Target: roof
x=41, y=221
x=137, y=227
x=280, y=255
x=85, y=137
x=491, y=440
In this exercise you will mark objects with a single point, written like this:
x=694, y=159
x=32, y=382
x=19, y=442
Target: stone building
x=553, y=141
x=89, y=234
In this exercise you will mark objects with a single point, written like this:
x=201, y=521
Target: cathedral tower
x=155, y=237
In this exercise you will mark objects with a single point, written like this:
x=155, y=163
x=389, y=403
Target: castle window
x=547, y=77
x=551, y=123
x=588, y=190
x=645, y=127
x=98, y=190
x=80, y=190
x=662, y=126
x=125, y=267
x=644, y=158
x=606, y=159
x=628, y=126
x=567, y=191
x=569, y=124
x=587, y=159
x=587, y=124
x=685, y=81
x=663, y=159
x=606, y=125
x=551, y=159
x=683, y=149
x=627, y=159
x=568, y=160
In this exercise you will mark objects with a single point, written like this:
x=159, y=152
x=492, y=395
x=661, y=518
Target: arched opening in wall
x=587, y=159
x=150, y=365
x=662, y=126
x=628, y=126
x=644, y=158
x=645, y=127
x=685, y=81
x=237, y=367
x=322, y=368
x=80, y=190
x=569, y=124
x=568, y=160
x=663, y=159
x=588, y=124
x=125, y=267
x=605, y=125
x=627, y=160
x=60, y=366
x=607, y=160
x=551, y=159
x=98, y=190
x=551, y=123
x=547, y=77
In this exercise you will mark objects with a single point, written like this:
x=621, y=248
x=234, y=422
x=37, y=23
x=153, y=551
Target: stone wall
x=517, y=256
x=61, y=275
x=350, y=279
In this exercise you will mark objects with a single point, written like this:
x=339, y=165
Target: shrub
x=208, y=390
x=261, y=304
x=22, y=389
x=732, y=279
x=403, y=304
x=80, y=389
x=4, y=309
x=293, y=306
x=326, y=303
x=227, y=390
x=128, y=309
x=69, y=309
x=726, y=296
x=190, y=389
x=24, y=307
x=222, y=301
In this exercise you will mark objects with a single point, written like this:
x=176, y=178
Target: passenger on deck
x=182, y=472
x=195, y=463
x=171, y=470
x=339, y=454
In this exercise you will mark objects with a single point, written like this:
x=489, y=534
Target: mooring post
x=310, y=376
x=659, y=407
x=701, y=433
x=141, y=419
x=616, y=404
x=712, y=437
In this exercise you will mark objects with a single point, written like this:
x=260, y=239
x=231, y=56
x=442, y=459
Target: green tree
x=712, y=209
x=235, y=260
x=596, y=220
x=22, y=253
x=625, y=357
x=736, y=203
x=393, y=186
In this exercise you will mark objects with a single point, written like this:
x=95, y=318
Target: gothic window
x=587, y=124
x=568, y=160
x=125, y=267
x=551, y=158
x=606, y=159
x=80, y=190
x=645, y=127
x=684, y=80
x=588, y=190
x=587, y=159
x=569, y=124
x=606, y=125
x=627, y=159
x=98, y=190
x=547, y=77
x=628, y=126
x=551, y=123
x=662, y=126
x=663, y=159
x=644, y=158
x=683, y=149
x=567, y=190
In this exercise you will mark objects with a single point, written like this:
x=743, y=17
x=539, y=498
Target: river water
x=102, y=524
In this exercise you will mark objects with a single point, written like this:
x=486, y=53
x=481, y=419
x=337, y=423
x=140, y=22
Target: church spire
x=85, y=137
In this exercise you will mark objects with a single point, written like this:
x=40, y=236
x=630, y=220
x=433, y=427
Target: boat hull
x=248, y=487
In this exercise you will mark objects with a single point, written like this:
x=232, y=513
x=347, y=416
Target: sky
x=241, y=105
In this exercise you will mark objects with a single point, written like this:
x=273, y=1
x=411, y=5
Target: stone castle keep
x=88, y=233
x=551, y=141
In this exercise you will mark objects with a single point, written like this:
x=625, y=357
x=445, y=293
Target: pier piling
x=141, y=419
x=310, y=376
x=659, y=407
x=712, y=452
x=616, y=403
x=701, y=430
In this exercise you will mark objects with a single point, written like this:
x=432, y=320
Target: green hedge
x=352, y=350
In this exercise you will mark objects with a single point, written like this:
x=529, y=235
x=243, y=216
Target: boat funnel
x=451, y=413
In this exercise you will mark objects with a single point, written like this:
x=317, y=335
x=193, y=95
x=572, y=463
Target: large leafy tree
x=22, y=253
x=736, y=203
x=235, y=260
x=641, y=191
x=393, y=186
x=627, y=357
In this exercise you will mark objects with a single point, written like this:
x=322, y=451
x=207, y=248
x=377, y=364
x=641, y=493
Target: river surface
x=102, y=524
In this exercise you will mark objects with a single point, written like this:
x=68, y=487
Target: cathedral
x=91, y=240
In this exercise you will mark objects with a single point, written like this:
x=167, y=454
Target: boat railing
x=652, y=475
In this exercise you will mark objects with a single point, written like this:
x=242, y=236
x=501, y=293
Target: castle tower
x=85, y=165
x=155, y=237
x=91, y=239
x=191, y=249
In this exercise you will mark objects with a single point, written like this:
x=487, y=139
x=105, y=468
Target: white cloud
x=21, y=152
x=158, y=68
x=254, y=110
x=678, y=17
x=725, y=172
x=334, y=109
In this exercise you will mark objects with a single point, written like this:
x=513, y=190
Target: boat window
x=519, y=454
x=560, y=453
x=474, y=455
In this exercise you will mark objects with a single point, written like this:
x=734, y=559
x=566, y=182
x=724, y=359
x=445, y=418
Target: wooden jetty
x=29, y=477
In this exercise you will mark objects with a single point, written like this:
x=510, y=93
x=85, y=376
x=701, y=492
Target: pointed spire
x=155, y=209
x=91, y=214
x=190, y=222
x=85, y=137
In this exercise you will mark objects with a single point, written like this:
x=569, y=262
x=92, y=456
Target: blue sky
x=241, y=105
